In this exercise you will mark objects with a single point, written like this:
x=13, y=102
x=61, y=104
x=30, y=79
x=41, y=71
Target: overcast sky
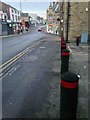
x=31, y=6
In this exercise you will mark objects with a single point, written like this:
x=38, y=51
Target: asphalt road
x=12, y=45
x=25, y=87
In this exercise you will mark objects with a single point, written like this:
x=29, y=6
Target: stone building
x=75, y=19
x=52, y=15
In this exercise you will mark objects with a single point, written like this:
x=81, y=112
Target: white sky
x=31, y=6
x=34, y=6
x=28, y=0
x=45, y=0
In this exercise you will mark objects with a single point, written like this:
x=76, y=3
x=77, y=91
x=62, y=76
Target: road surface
x=12, y=45
x=26, y=85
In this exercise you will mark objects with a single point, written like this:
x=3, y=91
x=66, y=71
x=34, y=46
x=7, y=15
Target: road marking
x=11, y=71
x=18, y=56
x=42, y=47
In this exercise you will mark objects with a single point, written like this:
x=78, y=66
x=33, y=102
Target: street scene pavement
x=12, y=45
x=31, y=86
x=27, y=86
x=32, y=63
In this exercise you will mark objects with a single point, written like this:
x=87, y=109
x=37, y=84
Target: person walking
x=22, y=30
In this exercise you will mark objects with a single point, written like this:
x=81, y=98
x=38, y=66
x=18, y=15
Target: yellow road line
x=15, y=58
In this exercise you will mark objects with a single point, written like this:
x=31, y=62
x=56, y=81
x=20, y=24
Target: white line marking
x=42, y=47
x=15, y=58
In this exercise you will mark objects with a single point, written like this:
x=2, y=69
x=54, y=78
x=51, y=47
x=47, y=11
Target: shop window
x=16, y=17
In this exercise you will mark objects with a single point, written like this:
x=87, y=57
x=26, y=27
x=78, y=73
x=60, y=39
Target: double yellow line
x=18, y=56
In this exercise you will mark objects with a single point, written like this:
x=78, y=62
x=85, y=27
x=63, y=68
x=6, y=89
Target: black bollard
x=62, y=39
x=64, y=61
x=77, y=41
x=63, y=42
x=68, y=96
x=63, y=46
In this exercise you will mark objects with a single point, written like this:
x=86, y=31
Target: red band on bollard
x=65, y=53
x=63, y=45
x=69, y=85
x=62, y=41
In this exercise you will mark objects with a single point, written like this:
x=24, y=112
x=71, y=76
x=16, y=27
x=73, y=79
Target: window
x=12, y=11
x=5, y=17
x=16, y=17
x=13, y=17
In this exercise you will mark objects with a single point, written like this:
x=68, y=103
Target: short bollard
x=77, y=41
x=62, y=39
x=63, y=46
x=63, y=42
x=68, y=96
x=64, y=61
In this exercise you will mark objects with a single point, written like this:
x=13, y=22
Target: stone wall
x=78, y=19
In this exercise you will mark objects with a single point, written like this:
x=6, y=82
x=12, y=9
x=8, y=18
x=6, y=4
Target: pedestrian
x=22, y=30
x=18, y=31
x=77, y=40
